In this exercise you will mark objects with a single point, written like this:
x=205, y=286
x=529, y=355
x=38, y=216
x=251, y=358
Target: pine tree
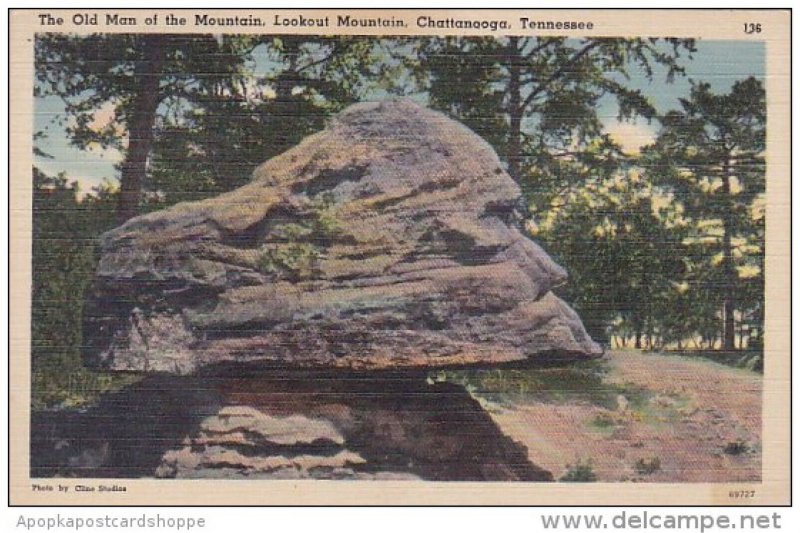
x=136, y=77
x=711, y=154
x=538, y=96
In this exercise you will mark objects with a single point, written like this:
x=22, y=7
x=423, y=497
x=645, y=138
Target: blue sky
x=719, y=63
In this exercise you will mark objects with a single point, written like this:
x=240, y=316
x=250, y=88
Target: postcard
x=406, y=257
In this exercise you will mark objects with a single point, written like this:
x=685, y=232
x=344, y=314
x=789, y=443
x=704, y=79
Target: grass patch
x=297, y=260
x=607, y=422
x=648, y=466
x=583, y=382
x=55, y=388
x=577, y=383
x=580, y=381
x=738, y=447
x=748, y=360
x=662, y=409
x=580, y=472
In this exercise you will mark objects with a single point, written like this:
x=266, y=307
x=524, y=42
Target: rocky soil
x=655, y=418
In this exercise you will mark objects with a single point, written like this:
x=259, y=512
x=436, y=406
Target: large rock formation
x=385, y=240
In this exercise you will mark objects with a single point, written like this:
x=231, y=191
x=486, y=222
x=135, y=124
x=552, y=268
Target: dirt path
x=674, y=419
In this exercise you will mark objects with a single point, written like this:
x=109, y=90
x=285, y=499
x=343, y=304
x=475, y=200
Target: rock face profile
x=386, y=240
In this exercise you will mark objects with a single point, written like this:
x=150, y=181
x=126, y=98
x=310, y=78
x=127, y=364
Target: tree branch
x=560, y=71
x=334, y=50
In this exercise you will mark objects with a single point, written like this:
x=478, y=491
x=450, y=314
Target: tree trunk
x=741, y=335
x=147, y=75
x=514, y=150
x=728, y=269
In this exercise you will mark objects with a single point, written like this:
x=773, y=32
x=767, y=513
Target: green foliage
x=324, y=222
x=92, y=72
x=219, y=133
x=605, y=420
x=213, y=120
x=143, y=81
x=296, y=260
x=63, y=262
x=462, y=77
x=709, y=154
x=738, y=447
x=648, y=466
x=300, y=245
x=64, y=232
x=69, y=386
x=622, y=257
x=582, y=381
x=535, y=99
x=580, y=472
x=643, y=256
x=656, y=244
x=661, y=248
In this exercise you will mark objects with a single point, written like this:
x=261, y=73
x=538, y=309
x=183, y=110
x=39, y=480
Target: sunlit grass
x=53, y=388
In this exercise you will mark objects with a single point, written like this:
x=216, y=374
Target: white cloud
x=85, y=183
x=632, y=136
x=110, y=154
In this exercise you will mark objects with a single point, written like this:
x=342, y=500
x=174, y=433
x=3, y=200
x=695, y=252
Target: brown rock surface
x=385, y=240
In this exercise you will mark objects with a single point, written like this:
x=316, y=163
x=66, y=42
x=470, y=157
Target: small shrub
x=605, y=420
x=754, y=363
x=325, y=224
x=580, y=472
x=736, y=448
x=297, y=260
x=300, y=245
x=648, y=466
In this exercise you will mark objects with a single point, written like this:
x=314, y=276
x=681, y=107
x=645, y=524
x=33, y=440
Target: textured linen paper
x=507, y=257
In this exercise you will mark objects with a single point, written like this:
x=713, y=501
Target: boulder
x=389, y=239
x=235, y=421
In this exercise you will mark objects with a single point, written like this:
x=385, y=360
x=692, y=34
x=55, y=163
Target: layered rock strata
x=386, y=240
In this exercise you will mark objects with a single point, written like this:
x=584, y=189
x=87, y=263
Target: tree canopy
x=709, y=154
x=665, y=248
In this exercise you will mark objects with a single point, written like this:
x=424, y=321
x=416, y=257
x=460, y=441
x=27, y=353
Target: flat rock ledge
x=242, y=442
x=387, y=240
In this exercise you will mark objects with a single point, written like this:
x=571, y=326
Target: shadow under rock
x=392, y=421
